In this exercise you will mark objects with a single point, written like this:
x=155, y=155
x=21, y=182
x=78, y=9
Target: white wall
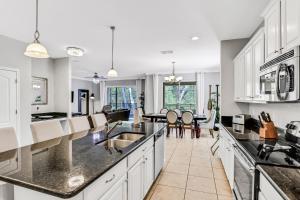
x=44, y=68
x=85, y=85
x=12, y=55
x=229, y=49
x=62, y=86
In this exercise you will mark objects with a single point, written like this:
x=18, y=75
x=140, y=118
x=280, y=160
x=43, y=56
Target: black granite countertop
x=48, y=166
x=285, y=180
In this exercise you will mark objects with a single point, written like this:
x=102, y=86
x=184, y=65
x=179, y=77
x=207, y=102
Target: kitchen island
x=85, y=166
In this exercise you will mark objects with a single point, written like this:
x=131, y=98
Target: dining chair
x=46, y=130
x=209, y=123
x=99, y=121
x=163, y=111
x=172, y=120
x=8, y=139
x=187, y=119
x=178, y=112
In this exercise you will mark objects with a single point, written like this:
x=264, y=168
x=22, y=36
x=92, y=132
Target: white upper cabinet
x=272, y=30
x=248, y=73
x=239, y=80
x=290, y=23
x=258, y=47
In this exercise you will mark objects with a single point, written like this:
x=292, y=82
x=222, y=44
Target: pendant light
x=172, y=78
x=36, y=49
x=112, y=72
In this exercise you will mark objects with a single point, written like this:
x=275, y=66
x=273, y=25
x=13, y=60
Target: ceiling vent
x=166, y=52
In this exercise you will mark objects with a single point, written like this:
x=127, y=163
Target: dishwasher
x=159, y=152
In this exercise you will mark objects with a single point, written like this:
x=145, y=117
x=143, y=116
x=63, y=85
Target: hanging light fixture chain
x=173, y=68
x=112, y=46
x=36, y=33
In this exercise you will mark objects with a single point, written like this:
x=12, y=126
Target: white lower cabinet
x=118, y=191
x=135, y=181
x=148, y=170
x=226, y=153
x=266, y=190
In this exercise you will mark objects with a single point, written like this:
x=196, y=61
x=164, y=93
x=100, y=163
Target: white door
x=258, y=60
x=8, y=100
x=118, y=191
x=248, y=73
x=135, y=181
x=272, y=32
x=290, y=23
x=148, y=170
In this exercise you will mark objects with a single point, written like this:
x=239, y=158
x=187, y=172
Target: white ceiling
x=143, y=29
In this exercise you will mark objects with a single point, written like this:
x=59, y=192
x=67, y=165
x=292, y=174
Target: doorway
x=9, y=98
x=83, y=102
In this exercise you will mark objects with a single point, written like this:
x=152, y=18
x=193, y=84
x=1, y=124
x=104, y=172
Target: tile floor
x=191, y=172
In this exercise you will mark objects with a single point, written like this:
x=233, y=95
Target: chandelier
x=173, y=78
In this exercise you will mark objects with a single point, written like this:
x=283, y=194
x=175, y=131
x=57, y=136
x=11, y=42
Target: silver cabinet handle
x=145, y=149
x=110, y=180
x=276, y=51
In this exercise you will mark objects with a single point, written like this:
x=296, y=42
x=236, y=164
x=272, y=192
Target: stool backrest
x=79, y=124
x=99, y=120
x=8, y=139
x=46, y=130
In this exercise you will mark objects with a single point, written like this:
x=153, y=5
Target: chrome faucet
x=108, y=131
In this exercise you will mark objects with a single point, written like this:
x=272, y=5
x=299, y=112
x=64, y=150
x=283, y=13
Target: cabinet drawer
x=137, y=154
x=106, y=181
x=268, y=190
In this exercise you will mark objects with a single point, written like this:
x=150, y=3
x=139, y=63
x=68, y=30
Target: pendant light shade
x=36, y=49
x=112, y=72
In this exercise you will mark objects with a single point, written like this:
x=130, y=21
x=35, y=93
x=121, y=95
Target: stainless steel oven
x=244, y=175
x=279, y=78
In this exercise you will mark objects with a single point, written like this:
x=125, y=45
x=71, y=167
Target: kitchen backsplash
x=281, y=113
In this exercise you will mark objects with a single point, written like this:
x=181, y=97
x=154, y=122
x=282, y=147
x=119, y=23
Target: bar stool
x=46, y=130
x=99, y=121
x=8, y=139
x=79, y=126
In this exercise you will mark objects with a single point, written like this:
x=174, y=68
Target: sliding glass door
x=180, y=95
x=122, y=98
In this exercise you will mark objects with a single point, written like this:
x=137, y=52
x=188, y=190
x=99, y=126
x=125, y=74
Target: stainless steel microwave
x=279, y=78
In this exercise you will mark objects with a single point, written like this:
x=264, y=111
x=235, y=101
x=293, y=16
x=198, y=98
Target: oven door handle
x=243, y=159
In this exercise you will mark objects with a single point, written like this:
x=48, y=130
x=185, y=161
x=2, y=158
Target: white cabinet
x=290, y=24
x=272, y=30
x=226, y=153
x=266, y=190
x=141, y=174
x=248, y=73
x=239, y=80
x=135, y=181
x=258, y=46
x=246, y=70
x=148, y=170
x=118, y=191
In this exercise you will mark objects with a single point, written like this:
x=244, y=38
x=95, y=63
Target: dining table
x=154, y=117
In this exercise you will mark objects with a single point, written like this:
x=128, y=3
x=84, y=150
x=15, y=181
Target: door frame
x=18, y=106
x=87, y=100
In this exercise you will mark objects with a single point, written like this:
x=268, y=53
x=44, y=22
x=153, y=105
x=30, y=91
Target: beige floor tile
x=200, y=161
x=195, y=195
x=177, y=168
x=201, y=184
x=217, y=163
x=173, y=180
x=219, y=174
x=184, y=160
x=223, y=197
x=205, y=172
x=167, y=193
x=200, y=154
x=223, y=187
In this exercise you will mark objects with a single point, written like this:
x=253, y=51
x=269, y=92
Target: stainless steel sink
x=115, y=143
x=129, y=136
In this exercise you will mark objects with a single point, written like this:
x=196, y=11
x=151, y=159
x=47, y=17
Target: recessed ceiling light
x=166, y=52
x=75, y=51
x=194, y=38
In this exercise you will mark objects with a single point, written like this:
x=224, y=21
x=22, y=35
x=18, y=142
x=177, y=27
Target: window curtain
x=138, y=92
x=155, y=93
x=103, y=94
x=200, y=92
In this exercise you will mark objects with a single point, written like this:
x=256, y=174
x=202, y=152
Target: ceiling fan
x=96, y=78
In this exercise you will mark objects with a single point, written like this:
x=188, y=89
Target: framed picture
x=39, y=91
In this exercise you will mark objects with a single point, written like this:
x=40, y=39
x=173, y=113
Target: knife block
x=268, y=131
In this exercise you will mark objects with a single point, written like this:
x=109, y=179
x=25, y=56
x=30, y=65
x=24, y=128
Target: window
x=180, y=95
x=122, y=98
